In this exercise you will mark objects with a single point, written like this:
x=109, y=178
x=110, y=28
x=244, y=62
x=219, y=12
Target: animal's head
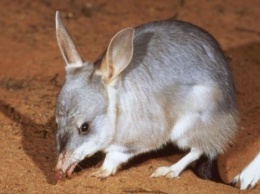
x=84, y=113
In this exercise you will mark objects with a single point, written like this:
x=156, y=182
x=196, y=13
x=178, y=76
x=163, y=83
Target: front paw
x=102, y=173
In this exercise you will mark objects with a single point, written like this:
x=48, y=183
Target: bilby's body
x=161, y=82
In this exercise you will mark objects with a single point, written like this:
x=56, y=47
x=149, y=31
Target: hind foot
x=175, y=170
x=165, y=171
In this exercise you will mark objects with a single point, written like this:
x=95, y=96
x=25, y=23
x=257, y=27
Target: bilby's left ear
x=118, y=56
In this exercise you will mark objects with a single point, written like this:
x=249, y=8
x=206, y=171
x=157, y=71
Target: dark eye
x=84, y=128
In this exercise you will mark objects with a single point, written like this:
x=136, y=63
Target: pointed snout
x=64, y=166
x=60, y=174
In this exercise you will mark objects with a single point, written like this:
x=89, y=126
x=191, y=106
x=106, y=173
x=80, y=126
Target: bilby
x=158, y=83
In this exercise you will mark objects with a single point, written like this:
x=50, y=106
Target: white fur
x=175, y=170
x=250, y=175
x=180, y=129
x=112, y=162
x=193, y=114
x=204, y=96
x=86, y=150
x=112, y=112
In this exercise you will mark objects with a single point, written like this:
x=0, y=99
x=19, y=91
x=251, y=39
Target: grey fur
x=177, y=73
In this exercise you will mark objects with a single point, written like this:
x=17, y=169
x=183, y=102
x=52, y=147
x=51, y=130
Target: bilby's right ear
x=118, y=55
x=66, y=45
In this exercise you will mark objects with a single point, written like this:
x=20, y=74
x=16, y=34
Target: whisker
x=81, y=168
x=86, y=162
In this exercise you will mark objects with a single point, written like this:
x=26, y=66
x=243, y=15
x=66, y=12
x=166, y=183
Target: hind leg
x=175, y=170
x=180, y=137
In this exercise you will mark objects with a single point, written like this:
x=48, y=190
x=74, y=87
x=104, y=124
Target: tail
x=207, y=168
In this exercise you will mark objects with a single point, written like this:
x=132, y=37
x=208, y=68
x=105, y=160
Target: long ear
x=66, y=45
x=118, y=56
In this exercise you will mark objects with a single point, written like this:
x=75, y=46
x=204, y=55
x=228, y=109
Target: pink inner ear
x=118, y=55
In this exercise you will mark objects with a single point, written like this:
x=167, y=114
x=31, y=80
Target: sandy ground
x=32, y=71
